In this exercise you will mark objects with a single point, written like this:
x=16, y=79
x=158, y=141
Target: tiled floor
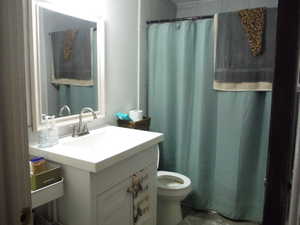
x=203, y=218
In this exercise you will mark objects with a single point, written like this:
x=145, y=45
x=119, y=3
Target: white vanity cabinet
x=102, y=198
x=118, y=205
x=96, y=193
x=115, y=206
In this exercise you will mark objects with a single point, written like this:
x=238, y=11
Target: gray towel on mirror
x=234, y=61
x=72, y=57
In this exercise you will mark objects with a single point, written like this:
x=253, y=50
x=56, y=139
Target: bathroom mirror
x=68, y=63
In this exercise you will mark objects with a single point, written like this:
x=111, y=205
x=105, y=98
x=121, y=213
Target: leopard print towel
x=68, y=44
x=253, y=22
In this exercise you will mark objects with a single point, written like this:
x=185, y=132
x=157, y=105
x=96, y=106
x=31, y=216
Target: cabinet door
x=114, y=206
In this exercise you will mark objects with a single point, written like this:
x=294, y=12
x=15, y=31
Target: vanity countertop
x=100, y=149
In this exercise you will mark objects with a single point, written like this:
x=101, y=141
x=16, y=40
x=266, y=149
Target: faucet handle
x=80, y=131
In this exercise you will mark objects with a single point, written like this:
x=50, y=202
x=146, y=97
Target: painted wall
x=121, y=52
x=122, y=33
x=209, y=7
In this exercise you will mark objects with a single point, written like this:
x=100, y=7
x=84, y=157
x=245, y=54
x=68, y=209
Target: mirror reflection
x=67, y=63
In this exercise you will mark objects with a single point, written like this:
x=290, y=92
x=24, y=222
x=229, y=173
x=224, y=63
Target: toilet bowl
x=172, y=188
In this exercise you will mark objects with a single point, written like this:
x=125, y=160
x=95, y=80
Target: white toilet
x=172, y=188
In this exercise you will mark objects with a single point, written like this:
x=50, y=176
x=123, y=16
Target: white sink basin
x=89, y=141
x=99, y=149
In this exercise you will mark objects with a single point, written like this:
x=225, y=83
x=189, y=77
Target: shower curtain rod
x=180, y=19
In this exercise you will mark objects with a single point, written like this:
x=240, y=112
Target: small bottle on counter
x=43, y=134
x=52, y=132
x=49, y=135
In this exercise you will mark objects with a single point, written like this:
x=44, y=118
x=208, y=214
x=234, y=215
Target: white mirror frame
x=36, y=100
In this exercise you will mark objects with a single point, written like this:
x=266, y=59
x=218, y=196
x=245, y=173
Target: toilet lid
x=172, y=180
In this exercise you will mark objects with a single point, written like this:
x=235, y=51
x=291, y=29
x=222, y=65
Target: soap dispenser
x=43, y=134
x=49, y=135
x=52, y=132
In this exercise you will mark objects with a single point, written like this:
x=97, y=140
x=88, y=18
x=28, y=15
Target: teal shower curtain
x=218, y=139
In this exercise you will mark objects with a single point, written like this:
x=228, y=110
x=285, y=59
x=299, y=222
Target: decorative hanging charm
x=253, y=22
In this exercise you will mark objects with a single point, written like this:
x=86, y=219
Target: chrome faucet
x=82, y=128
x=64, y=108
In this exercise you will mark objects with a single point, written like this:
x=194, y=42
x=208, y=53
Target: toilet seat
x=172, y=181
